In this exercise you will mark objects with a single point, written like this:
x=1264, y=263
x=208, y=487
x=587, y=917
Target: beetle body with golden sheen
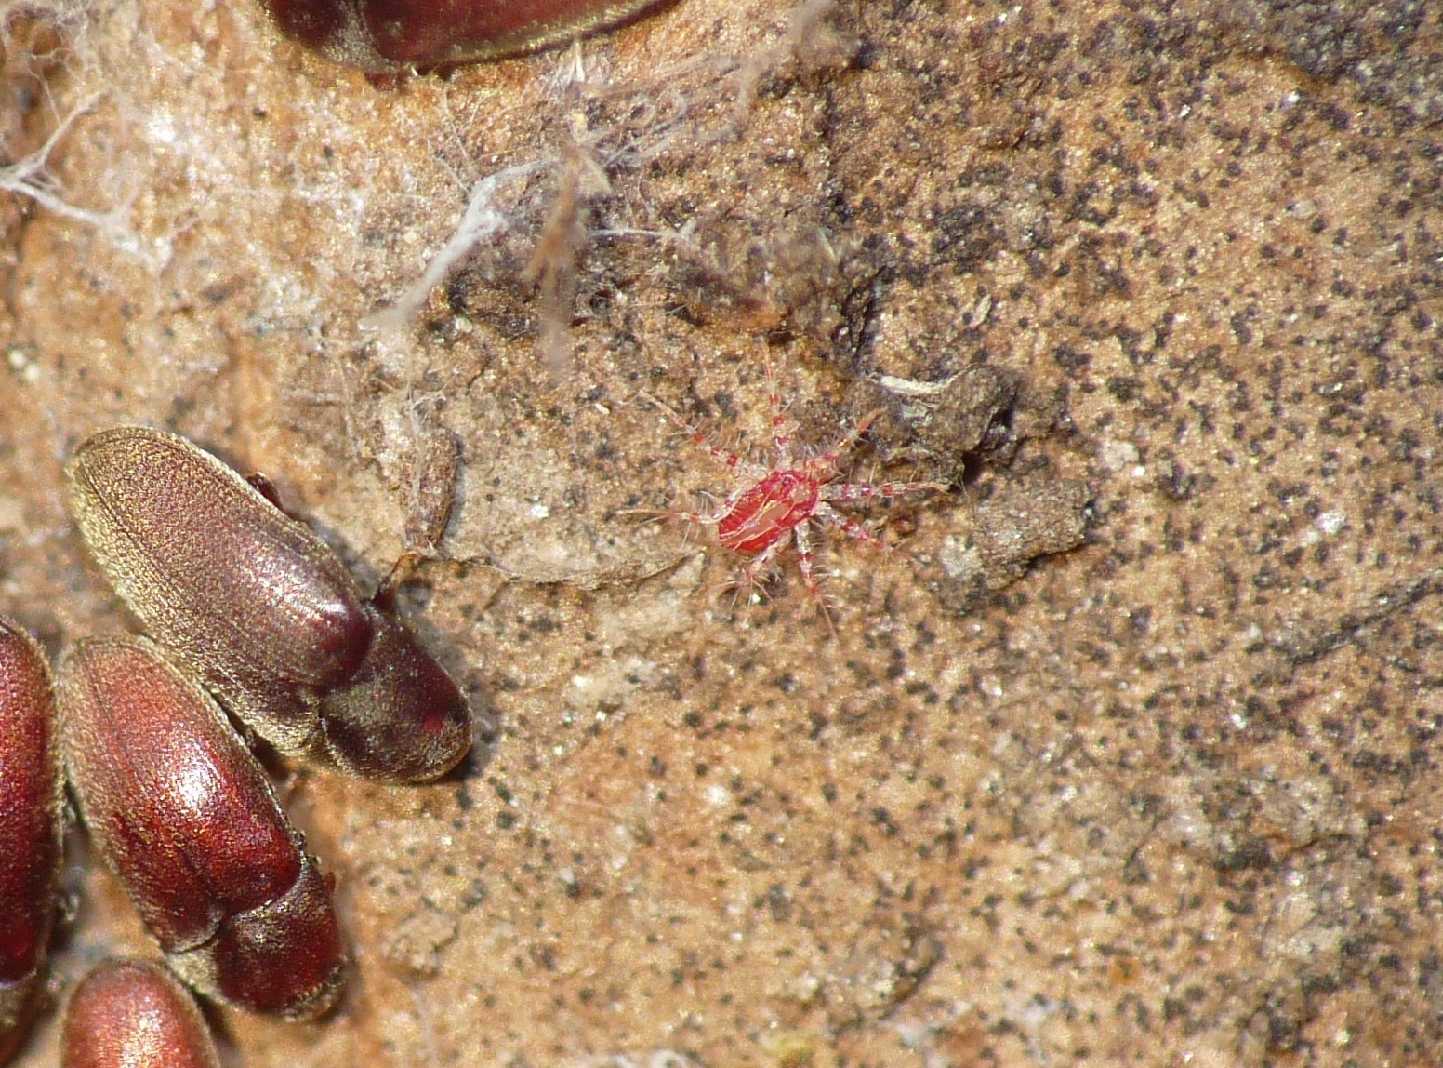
x=29, y=827
x=392, y=35
x=132, y=1014
x=187, y=820
x=261, y=611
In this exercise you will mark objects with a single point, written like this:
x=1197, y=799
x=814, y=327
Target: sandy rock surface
x=1125, y=750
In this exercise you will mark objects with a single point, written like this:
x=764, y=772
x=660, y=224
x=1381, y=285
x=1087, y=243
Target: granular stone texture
x=1126, y=749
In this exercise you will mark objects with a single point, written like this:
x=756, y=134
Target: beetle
x=127, y=1013
x=185, y=817
x=261, y=611
x=30, y=827
x=391, y=35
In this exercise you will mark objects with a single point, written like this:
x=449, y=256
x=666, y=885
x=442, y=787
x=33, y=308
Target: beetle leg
x=266, y=488
x=402, y=571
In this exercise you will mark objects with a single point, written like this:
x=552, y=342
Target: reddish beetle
x=29, y=827
x=261, y=611
x=132, y=1014
x=187, y=820
x=391, y=35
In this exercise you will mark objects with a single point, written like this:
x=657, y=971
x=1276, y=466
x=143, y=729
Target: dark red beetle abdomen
x=400, y=716
x=29, y=826
x=187, y=820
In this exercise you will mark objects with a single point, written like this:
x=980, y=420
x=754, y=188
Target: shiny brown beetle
x=261, y=611
x=392, y=35
x=132, y=1014
x=29, y=827
x=187, y=820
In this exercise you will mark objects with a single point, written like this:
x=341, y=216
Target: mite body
x=132, y=1014
x=393, y=35
x=261, y=610
x=187, y=820
x=29, y=827
x=770, y=511
x=786, y=502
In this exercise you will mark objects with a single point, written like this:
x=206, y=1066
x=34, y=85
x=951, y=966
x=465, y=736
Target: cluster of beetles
x=247, y=614
x=243, y=607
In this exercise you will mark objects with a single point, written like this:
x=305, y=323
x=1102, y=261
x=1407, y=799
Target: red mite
x=782, y=503
x=29, y=827
x=392, y=35
x=130, y=1013
x=187, y=820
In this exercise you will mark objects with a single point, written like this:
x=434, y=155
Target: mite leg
x=860, y=491
x=752, y=576
x=824, y=465
x=807, y=562
x=728, y=459
x=693, y=521
x=849, y=526
x=781, y=425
